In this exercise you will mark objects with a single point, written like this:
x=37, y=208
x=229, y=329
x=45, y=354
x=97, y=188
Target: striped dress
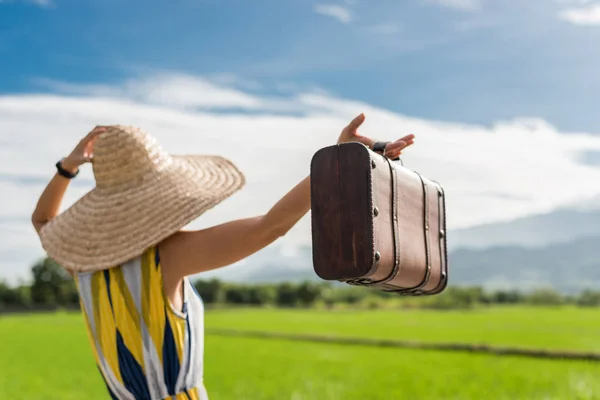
x=144, y=348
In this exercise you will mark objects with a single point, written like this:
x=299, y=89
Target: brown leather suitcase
x=376, y=223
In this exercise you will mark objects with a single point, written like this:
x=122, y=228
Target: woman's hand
x=392, y=150
x=83, y=152
x=51, y=198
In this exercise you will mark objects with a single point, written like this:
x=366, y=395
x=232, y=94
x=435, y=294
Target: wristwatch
x=63, y=172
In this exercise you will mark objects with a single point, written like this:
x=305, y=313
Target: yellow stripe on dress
x=193, y=394
x=153, y=307
x=190, y=394
x=126, y=315
x=105, y=323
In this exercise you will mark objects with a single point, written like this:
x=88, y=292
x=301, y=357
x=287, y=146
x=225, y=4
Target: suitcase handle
x=379, y=147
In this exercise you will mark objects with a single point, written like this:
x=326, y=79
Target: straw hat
x=142, y=196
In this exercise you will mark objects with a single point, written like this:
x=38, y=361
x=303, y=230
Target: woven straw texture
x=142, y=196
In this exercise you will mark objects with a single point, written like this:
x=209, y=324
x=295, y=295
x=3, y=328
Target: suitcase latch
x=360, y=282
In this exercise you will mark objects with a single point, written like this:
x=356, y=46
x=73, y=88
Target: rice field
x=47, y=356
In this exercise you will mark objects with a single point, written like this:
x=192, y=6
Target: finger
x=406, y=139
x=400, y=144
x=393, y=154
x=89, y=145
x=356, y=123
x=92, y=140
x=96, y=129
x=95, y=132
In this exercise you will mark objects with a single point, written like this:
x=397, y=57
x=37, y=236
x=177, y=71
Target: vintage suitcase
x=376, y=223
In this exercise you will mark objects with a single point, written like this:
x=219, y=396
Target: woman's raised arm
x=51, y=198
x=191, y=252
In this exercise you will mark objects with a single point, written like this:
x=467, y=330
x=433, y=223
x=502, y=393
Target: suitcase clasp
x=360, y=282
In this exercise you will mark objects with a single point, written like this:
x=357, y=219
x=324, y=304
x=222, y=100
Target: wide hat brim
x=105, y=228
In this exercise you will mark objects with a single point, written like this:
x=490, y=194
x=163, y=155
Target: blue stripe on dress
x=171, y=365
x=156, y=258
x=189, y=337
x=133, y=376
x=107, y=279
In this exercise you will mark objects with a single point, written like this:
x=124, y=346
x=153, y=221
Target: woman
x=124, y=245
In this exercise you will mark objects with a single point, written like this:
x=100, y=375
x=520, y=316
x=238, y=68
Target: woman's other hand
x=50, y=200
x=83, y=152
x=392, y=150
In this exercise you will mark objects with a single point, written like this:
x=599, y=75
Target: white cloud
x=491, y=174
x=466, y=5
x=341, y=13
x=174, y=90
x=589, y=15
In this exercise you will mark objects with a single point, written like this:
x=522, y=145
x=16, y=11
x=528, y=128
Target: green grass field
x=562, y=328
x=48, y=357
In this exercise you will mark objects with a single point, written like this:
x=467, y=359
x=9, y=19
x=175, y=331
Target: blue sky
x=457, y=60
x=502, y=96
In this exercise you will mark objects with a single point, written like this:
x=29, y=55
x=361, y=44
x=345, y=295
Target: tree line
x=51, y=287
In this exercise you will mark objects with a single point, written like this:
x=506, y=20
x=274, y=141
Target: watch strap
x=63, y=172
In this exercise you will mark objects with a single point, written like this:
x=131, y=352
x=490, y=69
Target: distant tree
x=308, y=293
x=545, y=297
x=236, y=294
x=506, y=297
x=588, y=298
x=343, y=294
x=476, y=294
x=4, y=293
x=287, y=295
x=441, y=302
x=18, y=297
x=457, y=297
x=71, y=296
x=22, y=296
x=52, y=285
x=262, y=295
x=211, y=291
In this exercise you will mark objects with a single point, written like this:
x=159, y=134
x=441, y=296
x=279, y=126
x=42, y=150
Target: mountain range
x=560, y=226
x=560, y=249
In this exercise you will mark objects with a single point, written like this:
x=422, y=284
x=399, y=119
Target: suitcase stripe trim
x=427, y=276
x=397, y=257
x=443, y=250
x=417, y=290
x=443, y=235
